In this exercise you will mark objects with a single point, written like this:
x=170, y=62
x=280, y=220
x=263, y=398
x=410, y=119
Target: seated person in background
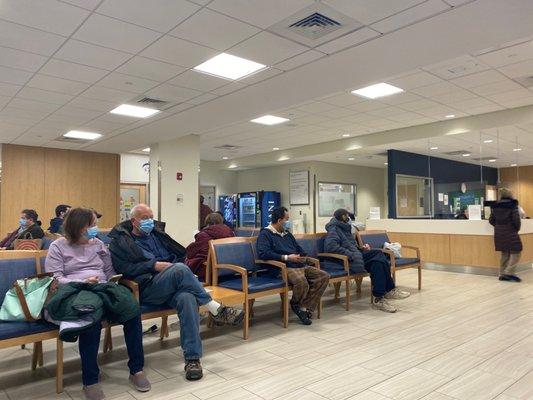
x=205, y=210
x=275, y=242
x=340, y=240
x=227, y=223
x=29, y=228
x=197, y=251
x=150, y=257
x=57, y=222
x=462, y=214
x=81, y=257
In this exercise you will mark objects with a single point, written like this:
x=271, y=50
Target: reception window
x=414, y=196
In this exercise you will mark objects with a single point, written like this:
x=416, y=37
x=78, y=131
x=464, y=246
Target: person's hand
x=92, y=280
x=160, y=266
x=296, y=258
x=366, y=247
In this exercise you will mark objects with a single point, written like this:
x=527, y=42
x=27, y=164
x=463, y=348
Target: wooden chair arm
x=132, y=285
x=315, y=261
x=392, y=257
x=341, y=257
x=236, y=268
x=277, y=264
x=412, y=248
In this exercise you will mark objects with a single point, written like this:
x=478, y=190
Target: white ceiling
x=65, y=64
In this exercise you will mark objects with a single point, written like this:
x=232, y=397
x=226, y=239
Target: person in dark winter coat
x=140, y=251
x=340, y=240
x=57, y=222
x=29, y=228
x=198, y=250
x=505, y=217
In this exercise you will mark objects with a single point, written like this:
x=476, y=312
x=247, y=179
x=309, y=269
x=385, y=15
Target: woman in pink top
x=81, y=257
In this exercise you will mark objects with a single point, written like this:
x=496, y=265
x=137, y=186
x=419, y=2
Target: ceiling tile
x=456, y=67
x=150, y=69
x=316, y=107
x=9, y=90
x=267, y=49
x=214, y=30
x=349, y=40
x=48, y=15
x=127, y=83
x=75, y=112
x=14, y=76
x=54, y=84
x=4, y=100
x=414, y=80
x=28, y=39
x=91, y=55
x=31, y=105
x=72, y=71
x=338, y=113
x=510, y=95
x=498, y=87
x=343, y=99
x=115, y=34
x=400, y=98
x=87, y=4
x=161, y=17
x=411, y=15
x=20, y=59
x=435, y=89
x=518, y=70
x=202, y=99
x=179, y=52
x=300, y=59
x=509, y=55
x=368, y=11
x=364, y=106
x=258, y=12
x=512, y=102
x=46, y=96
x=482, y=109
x=198, y=81
x=107, y=94
x=260, y=76
x=229, y=88
x=453, y=97
x=9, y=130
x=93, y=104
x=173, y=93
x=478, y=79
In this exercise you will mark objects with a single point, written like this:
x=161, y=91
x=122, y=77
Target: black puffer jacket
x=505, y=218
x=340, y=240
x=128, y=258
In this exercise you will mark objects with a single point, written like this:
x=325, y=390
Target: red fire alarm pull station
x=179, y=176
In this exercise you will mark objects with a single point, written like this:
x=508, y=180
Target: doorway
x=209, y=193
x=131, y=194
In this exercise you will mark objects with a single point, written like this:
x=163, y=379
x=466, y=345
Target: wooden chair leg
x=251, y=307
x=420, y=277
x=319, y=311
x=36, y=356
x=108, y=340
x=337, y=287
x=41, y=356
x=347, y=295
x=164, y=328
x=285, y=305
x=246, y=322
x=358, y=282
x=59, y=365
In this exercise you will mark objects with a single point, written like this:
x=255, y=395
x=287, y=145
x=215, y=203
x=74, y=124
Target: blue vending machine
x=227, y=204
x=255, y=208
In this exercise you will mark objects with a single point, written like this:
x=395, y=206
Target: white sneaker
x=397, y=294
x=383, y=305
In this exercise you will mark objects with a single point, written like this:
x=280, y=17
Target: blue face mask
x=23, y=222
x=287, y=225
x=146, y=225
x=92, y=232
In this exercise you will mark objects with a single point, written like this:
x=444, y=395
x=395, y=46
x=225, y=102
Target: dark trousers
x=378, y=266
x=89, y=342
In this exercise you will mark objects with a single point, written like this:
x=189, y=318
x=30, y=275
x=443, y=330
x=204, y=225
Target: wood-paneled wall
x=520, y=181
x=41, y=178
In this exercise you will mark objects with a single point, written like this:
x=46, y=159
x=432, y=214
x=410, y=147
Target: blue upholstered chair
x=103, y=235
x=247, y=232
x=313, y=245
x=234, y=266
x=376, y=240
x=47, y=241
x=19, y=264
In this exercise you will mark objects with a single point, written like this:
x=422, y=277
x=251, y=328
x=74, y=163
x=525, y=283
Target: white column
x=179, y=198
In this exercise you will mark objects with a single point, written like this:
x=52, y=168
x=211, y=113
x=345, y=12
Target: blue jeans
x=378, y=266
x=178, y=288
x=89, y=342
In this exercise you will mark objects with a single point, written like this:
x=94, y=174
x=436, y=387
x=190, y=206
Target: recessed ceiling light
x=492, y=160
x=230, y=67
x=434, y=148
x=466, y=154
x=82, y=135
x=488, y=141
x=513, y=165
x=345, y=135
x=517, y=149
x=457, y=131
x=134, y=111
x=147, y=150
x=224, y=158
x=275, y=148
x=449, y=116
x=386, y=163
x=232, y=166
x=377, y=90
x=269, y=120
x=351, y=158
x=284, y=158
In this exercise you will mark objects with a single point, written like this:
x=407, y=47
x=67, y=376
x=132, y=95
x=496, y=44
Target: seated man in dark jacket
x=56, y=224
x=140, y=251
x=275, y=242
x=340, y=240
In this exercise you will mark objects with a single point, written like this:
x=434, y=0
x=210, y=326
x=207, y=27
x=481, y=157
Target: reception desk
x=456, y=242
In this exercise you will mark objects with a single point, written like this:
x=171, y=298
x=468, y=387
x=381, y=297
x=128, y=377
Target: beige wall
x=41, y=178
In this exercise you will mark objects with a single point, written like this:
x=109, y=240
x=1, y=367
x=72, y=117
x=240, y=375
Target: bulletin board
x=332, y=196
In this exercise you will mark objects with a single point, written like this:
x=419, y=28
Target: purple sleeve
x=54, y=263
x=109, y=271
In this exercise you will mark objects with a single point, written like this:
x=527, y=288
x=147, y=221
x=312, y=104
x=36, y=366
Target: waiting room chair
x=376, y=240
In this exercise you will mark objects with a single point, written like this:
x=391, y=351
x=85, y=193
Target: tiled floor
x=464, y=337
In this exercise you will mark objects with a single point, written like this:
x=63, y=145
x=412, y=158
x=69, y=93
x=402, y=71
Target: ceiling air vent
x=228, y=147
x=315, y=26
x=152, y=102
x=484, y=158
x=457, y=152
x=70, y=140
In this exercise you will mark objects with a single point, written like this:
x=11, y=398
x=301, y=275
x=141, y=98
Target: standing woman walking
x=505, y=217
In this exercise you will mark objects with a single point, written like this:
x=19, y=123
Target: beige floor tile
x=341, y=361
x=236, y=394
x=482, y=347
x=476, y=385
x=123, y=396
x=395, y=362
x=228, y=385
x=436, y=396
x=508, y=364
x=3, y=395
x=347, y=383
x=523, y=347
x=451, y=364
x=522, y=389
x=300, y=394
x=411, y=384
x=235, y=367
x=368, y=395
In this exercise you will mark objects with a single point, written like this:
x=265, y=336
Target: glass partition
x=414, y=196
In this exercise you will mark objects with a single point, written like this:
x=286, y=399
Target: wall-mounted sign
x=298, y=188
